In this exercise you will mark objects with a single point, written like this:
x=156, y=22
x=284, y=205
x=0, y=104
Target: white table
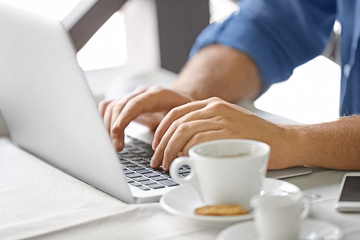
x=39, y=201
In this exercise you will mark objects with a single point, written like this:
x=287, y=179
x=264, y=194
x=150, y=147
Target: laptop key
x=156, y=186
x=146, y=155
x=152, y=174
x=159, y=178
x=144, y=188
x=126, y=155
x=136, y=159
x=149, y=182
x=168, y=183
x=136, y=184
x=130, y=164
x=138, y=151
x=129, y=180
x=166, y=173
x=136, y=168
x=124, y=162
x=145, y=163
x=128, y=171
x=133, y=175
x=143, y=171
x=141, y=179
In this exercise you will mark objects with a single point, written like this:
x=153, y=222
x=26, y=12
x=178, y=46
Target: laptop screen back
x=47, y=105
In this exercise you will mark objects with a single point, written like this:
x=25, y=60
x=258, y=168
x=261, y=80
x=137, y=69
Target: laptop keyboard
x=135, y=159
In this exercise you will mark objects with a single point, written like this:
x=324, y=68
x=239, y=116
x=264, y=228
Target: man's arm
x=220, y=71
x=278, y=35
x=332, y=145
x=216, y=71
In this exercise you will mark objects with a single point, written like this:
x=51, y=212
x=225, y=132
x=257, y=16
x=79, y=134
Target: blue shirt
x=283, y=34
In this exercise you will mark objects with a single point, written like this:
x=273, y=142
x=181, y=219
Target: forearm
x=220, y=71
x=331, y=145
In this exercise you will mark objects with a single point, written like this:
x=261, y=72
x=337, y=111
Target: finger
x=182, y=135
x=126, y=112
x=113, y=110
x=155, y=100
x=102, y=107
x=184, y=127
x=205, y=136
x=177, y=113
x=172, y=116
x=116, y=110
x=151, y=120
x=121, y=103
x=107, y=115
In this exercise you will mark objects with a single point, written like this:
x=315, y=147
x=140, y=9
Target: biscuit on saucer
x=221, y=210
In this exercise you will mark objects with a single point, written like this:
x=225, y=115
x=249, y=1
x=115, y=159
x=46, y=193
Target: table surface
x=39, y=201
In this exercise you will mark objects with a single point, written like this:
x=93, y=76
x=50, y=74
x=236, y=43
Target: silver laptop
x=50, y=111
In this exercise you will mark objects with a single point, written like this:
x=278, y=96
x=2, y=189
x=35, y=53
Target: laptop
x=51, y=113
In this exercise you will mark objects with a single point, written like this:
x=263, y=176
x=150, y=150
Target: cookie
x=221, y=210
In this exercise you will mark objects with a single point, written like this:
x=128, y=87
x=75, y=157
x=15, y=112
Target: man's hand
x=205, y=120
x=147, y=105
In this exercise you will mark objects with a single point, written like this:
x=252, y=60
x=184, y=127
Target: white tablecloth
x=41, y=202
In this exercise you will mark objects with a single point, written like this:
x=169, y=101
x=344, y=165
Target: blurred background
x=131, y=37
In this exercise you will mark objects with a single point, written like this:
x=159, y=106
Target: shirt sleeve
x=278, y=34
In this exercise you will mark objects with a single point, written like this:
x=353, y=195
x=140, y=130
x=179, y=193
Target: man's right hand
x=147, y=105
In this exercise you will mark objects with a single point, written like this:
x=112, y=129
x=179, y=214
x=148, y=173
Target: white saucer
x=184, y=200
x=310, y=230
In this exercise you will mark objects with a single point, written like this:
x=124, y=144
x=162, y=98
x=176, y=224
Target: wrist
x=194, y=82
x=179, y=90
x=287, y=147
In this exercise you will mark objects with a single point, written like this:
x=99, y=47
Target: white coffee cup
x=228, y=171
x=278, y=214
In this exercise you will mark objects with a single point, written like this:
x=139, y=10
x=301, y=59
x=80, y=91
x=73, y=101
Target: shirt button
x=347, y=69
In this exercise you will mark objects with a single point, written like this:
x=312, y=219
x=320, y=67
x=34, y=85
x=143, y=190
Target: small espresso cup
x=228, y=171
x=278, y=214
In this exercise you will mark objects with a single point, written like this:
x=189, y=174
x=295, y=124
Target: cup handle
x=306, y=207
x=174, y=168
